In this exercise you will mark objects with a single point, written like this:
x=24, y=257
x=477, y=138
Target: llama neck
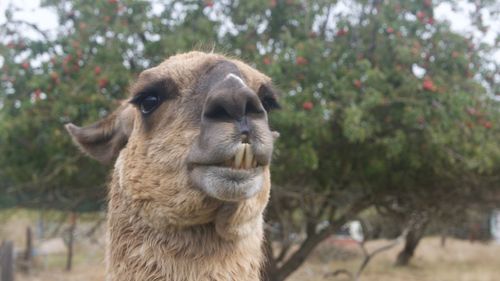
x=135, y=251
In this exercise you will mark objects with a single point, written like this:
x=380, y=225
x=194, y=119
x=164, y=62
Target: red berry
x=357, y=83
x=428, y=3
x=67, y=59
x=428, y=85
x=266, y=60
x=25, y=65
x=430, y=21
x=97, y=70
x=390, y=30
x=209, y=3
x=420, y=16
x=307, y=105
x=103, y=82
x=342, y=32
x=301, y=60
x=487, y=124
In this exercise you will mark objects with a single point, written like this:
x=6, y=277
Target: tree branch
x=299, y=256
x=367, y=257
x=34, y=26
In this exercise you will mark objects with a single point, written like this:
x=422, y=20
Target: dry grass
x=80, y=273
x=458, y=261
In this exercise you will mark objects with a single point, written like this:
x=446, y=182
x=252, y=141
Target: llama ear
x=104, y=139
x=269, y=97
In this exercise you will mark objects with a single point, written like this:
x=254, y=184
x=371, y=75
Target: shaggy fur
x=161, y=225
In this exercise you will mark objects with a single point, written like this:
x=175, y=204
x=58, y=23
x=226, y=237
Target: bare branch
x=368, y=257
x=339, y=272
x=325, y=23
x=284, y=250
x=34, y=26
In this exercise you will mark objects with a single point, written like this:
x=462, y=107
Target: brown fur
x=161, y=226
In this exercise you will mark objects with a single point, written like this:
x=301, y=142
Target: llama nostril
x=218, y=113
x=245, y=138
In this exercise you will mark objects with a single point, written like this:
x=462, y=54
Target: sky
x=46, y=19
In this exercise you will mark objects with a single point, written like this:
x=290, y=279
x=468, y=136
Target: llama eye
x=149, y=103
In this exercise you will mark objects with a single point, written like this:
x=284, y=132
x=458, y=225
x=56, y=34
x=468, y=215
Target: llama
x=192, y=148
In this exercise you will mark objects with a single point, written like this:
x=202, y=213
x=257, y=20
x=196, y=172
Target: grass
x=459, y=261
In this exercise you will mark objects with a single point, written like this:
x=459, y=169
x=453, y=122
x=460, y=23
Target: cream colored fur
x=160, y=226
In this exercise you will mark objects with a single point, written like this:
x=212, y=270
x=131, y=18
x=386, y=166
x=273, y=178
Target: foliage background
x=384, y=106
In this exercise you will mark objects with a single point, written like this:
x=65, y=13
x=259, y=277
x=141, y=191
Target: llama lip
x=228, y=184
x=240, y=176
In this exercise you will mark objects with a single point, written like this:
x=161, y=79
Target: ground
x=459, y=260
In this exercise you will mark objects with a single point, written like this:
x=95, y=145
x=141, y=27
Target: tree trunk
x=413, y=237
x=7, y=261
x=274, y=272
x=71, y=238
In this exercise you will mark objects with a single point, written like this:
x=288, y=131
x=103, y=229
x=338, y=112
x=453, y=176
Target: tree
x=383, y=105
x=78, y=75
x=361, y=127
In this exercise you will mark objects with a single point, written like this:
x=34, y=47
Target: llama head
x=193, y=134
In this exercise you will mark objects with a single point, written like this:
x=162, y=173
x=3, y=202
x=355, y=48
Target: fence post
x=25, y=266
x=71, y=240
x=7, y=261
